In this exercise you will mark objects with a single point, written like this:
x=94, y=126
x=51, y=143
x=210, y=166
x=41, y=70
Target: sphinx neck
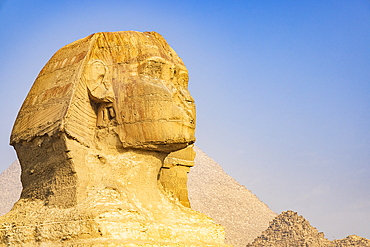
x=142, y=176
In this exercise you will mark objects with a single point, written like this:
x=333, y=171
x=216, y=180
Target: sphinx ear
x=102, y=93
x=100, y=89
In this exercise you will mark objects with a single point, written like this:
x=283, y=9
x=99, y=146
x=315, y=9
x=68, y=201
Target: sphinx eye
x=184, y=81
x=152, y=69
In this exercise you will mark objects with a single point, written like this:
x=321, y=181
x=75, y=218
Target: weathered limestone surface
x=92, y=137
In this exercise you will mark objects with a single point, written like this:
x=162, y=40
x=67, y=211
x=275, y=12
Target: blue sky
x=282, y=89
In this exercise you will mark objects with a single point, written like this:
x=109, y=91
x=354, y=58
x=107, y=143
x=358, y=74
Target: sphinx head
x=96, y=98
x=142, y=93
x=129, y=83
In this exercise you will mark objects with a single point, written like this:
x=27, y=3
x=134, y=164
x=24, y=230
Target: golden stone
x=98, y=140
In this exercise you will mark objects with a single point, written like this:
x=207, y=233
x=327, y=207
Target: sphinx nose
x=188, y=101
x=187, y=97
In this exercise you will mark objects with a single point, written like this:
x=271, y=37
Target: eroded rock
x=92, y=137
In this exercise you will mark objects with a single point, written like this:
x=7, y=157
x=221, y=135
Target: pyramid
x=290, y=229
x=10, y=187
x=351, y=240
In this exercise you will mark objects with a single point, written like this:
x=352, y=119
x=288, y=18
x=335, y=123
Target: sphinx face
x=153, y=105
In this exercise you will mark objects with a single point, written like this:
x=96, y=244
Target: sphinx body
x=92, y=137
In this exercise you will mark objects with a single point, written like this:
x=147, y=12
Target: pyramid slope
x=10, y=187
x=216, y=194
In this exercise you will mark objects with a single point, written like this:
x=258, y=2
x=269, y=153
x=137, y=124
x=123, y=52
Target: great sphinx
x=92, y=139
